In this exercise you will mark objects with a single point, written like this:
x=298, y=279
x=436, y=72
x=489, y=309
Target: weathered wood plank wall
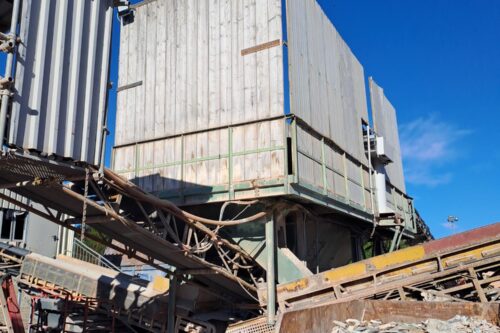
x=385, y=124
x=180, y=164
x=327, y=84
x=182, y=70
x=202, y=88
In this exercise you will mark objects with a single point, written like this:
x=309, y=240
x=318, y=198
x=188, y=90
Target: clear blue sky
x=439, y=62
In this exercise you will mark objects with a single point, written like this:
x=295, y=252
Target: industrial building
x=247, y=173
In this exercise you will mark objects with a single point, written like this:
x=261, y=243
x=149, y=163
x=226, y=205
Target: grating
x=33, y=168
x=258, y=325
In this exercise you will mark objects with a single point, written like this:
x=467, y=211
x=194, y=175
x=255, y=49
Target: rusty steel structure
x=268, y=149
x=85, y=296
x=463, y=268
x=150, y=229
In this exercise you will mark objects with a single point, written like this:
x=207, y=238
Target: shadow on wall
x=174, y=189
x=143, y=306
x=133, y=297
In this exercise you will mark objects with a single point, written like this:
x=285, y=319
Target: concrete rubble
x=458, y=324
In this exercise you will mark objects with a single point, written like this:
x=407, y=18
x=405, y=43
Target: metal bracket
x=5, y=82
x=6, y=92
x=7, y=42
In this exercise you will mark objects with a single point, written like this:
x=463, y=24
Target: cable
x=135, y=191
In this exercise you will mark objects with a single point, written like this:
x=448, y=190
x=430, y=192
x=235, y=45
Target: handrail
x=84, y=252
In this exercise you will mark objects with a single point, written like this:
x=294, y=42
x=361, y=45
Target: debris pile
x=458, y=324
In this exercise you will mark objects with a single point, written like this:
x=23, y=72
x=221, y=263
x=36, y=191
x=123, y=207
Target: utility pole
x=452, y=221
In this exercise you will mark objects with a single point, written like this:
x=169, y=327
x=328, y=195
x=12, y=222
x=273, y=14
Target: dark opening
x=281, y=237
x=291, y=232
x=19, y=229
x=289, y=157
x=5, y=232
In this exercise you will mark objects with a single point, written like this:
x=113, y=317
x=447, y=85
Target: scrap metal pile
x=457, y=324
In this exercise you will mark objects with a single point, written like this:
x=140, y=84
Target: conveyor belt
x=453, y=268
x=59, y=187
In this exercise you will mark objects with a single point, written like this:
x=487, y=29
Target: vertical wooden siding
x=182, y=64
x=386, y=125
x=327, y=84
x=243, y=153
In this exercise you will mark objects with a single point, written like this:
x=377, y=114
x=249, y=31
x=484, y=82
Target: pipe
x=143, y=196
x=270, y=271
x=197, y=226
x=370, y=179
x=131, y=224
x=400, y=237
x=395, y=238
x=6, y=46
x=8, y=70
x=240, y=203
x=380, y=186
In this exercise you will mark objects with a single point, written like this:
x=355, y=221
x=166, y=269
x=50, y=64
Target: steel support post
x=395, y=238
x=171, y=304
x=9, y=70
x=271, y=269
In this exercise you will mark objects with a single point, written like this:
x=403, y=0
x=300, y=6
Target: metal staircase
x=83, y=252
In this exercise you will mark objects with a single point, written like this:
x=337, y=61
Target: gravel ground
x=458, y=324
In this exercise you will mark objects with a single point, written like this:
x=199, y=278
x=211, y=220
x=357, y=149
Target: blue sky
x=439, y=63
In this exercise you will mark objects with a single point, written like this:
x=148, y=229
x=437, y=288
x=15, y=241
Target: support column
x=171, y=305
x=271, y=269
x=395, y=238
x=380, y=188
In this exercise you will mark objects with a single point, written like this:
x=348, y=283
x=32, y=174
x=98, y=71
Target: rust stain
x=475, y=254
x=466, y=238
x=293, y=286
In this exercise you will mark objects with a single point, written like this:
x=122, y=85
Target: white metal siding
x=327, y=85
x=184, y=59
x=386, y=125
x=62, y=77
x=7, y=205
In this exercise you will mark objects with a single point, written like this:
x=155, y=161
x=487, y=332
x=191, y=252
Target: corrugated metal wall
x=7, y=205
x=61, y=77
x=327, y=84
x=385, y=124
x=182, y=67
